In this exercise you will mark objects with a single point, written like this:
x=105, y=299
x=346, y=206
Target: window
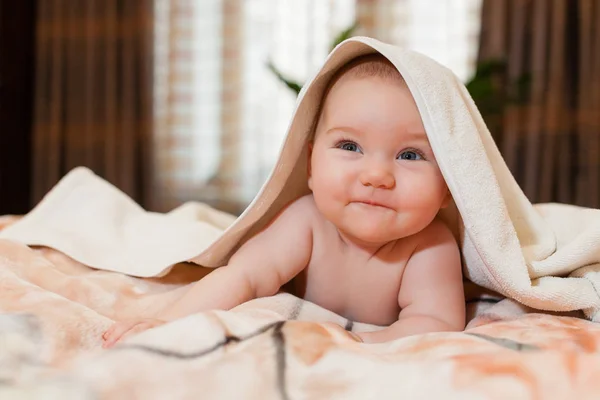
x=222, y=114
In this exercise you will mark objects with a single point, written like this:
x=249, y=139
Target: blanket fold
x=544, y=256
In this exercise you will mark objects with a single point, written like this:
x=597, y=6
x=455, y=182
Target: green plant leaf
x=296, y=87
x=343, y=35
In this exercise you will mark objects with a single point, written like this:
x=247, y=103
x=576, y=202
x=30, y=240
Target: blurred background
x=189, y=100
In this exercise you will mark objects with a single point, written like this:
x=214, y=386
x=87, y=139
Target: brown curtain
x=543, y=60
x=93, y=93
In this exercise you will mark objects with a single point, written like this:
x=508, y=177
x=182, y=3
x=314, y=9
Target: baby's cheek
x=421, y=194
x=331, y=181
x=413, y=187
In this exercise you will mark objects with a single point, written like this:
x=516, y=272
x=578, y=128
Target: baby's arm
x=431, y=294
x=258, y=269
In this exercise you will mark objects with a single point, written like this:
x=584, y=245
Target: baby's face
x=372, y=170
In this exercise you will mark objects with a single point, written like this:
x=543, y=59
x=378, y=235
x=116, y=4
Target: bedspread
x=54, y=310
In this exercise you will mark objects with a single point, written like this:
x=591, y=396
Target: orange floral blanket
x=54, y=310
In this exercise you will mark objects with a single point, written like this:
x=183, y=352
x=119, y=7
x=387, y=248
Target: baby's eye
x=410, y=155
x=349, y=146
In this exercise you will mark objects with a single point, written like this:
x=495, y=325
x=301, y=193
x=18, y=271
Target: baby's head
x=372, y=171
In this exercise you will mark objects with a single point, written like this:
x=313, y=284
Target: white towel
x=93, y=222
x=546, y=256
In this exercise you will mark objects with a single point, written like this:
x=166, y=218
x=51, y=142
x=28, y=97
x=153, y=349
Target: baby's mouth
x=372, y=203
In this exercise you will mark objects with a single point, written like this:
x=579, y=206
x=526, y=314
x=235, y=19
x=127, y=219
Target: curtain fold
x=93, y=93
x=548, y=88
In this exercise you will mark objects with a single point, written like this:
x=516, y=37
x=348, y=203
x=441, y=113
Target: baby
x=367, y=243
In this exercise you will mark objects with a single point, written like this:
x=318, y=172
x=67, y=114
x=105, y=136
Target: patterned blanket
x=54, y=311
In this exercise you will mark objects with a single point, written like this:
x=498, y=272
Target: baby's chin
x=379, y=231
x=370, y=234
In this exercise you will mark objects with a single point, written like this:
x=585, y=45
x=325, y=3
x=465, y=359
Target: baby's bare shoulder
x=304, y=204
x=433, y=243
x=298, y=211
x=437, y=232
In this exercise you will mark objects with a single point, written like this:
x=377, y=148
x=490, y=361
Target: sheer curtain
x=445, y=30
x=222, y=114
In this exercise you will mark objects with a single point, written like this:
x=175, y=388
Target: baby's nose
x=378, y=176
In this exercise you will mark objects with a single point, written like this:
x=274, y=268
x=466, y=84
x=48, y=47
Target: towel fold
x=93, y=222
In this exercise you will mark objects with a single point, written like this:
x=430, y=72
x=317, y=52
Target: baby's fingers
x=116, y=332
x=140, y=327
x=110, y=331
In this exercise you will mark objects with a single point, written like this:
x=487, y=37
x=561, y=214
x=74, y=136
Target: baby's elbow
x=456, y=324
x=263, y=284
x=456, y=327
x=451, y=322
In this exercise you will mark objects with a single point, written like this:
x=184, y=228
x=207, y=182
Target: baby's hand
x=120, y=330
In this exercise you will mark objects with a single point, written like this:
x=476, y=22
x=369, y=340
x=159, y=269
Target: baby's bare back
x=351, y=281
